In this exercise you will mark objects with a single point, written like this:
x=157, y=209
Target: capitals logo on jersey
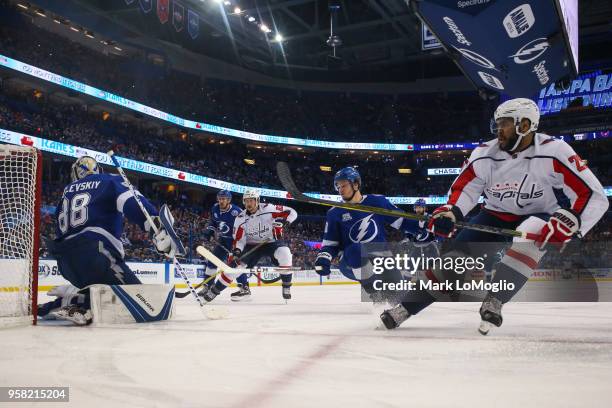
x=364, y=230
x=522, y=192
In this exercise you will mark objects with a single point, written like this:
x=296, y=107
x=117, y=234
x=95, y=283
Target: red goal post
x=20, y=197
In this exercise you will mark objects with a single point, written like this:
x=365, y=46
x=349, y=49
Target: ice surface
x=323, y=350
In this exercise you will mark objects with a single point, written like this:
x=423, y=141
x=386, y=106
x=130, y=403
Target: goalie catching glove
x=165, y=240
x=443, y=219
x=559, y=229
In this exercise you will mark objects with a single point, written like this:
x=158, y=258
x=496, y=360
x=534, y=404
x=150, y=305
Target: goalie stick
x=284, y=174
x=176, y=263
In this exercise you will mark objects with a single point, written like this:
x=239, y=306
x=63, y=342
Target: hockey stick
x=129, y=185
x=181, y=295
x=284, y=174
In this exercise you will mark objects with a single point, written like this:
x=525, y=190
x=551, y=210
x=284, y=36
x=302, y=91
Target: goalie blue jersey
x=93, y=208
x=346, y=227
x=223, y=221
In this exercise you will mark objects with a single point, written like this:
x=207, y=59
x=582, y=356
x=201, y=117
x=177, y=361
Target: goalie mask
x=83, y=167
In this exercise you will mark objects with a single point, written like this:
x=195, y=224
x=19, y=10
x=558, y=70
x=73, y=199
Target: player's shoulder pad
x=489, y=148
x=333, y=210
x=550, y=146
x=111, y=178
x=375, y=198
x=242, y=214
x=542, y=139
x=235, y=210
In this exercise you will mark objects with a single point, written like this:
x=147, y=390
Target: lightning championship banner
x=509, y=46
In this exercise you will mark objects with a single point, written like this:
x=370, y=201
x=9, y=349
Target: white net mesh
x=18, y=167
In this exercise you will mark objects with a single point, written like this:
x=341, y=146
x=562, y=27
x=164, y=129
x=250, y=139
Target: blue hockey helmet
x=420, y=202
x=347, y=173
x=224, y=194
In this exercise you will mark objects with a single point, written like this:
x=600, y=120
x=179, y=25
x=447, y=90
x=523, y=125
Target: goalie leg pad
x=117, y=304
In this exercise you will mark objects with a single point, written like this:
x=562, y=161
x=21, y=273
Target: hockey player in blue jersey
x=346, y=230
x=416, y=230
x=222, y=217
x=88, y=245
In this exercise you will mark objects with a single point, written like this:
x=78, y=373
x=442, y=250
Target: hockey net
x=20, y=179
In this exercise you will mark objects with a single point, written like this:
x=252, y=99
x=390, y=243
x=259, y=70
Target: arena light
x=325, y=168
x=265, y=28
x=41, y=13
x=118, y=48
x=89, y=34
x=251, y=19
x=57, y=21
x=23, y=6
x=76, y=30
x=278, y=37
x=237, y=10
x=404, y=171
x=249, y=161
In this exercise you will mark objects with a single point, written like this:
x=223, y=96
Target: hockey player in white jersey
x=518, y=173
x=259, y=224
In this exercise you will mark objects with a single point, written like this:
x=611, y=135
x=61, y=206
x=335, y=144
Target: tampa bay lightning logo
x=223, y=228
x=364, y=230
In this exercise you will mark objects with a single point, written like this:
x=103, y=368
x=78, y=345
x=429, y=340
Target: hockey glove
x=161, y=239
x=277, y=229
x=209, y=234
x=559, y=229
x=442, y=221
x=234, y=258
x=323, y=263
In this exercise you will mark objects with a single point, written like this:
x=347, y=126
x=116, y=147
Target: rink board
x=163, y=273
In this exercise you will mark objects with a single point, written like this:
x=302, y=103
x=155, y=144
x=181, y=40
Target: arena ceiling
x=381, y=39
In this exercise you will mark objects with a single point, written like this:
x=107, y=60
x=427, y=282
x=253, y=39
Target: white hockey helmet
x=250, y=193
x=517, y=109
x=84, y=166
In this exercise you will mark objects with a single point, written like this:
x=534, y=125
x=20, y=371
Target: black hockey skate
x=73, y=313
x=210, y=294
x=286, y=291
x=392, y=318
x=243, y=294
x=204, y=288
x=490, y=313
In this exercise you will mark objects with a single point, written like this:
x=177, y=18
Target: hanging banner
x=163, y=10
x=193, y=24
x=146, y=5
x=178, y=16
